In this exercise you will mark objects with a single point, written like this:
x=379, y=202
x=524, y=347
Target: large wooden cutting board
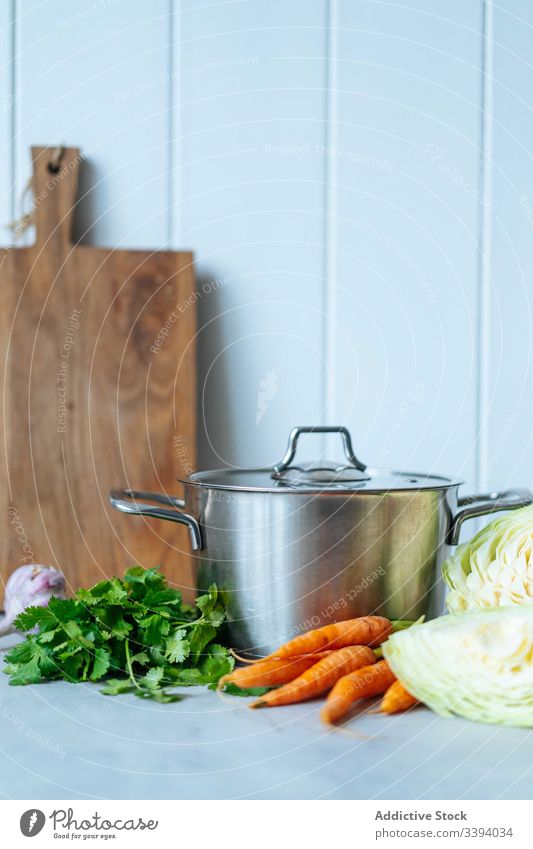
x=87, y=405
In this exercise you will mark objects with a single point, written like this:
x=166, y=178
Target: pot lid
x=349, y=476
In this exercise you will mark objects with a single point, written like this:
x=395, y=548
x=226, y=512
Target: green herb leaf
x=113, y=620
x=115, y=686
x=161, y=696
x=154, y=629
x=64, y=610
x=212, y=609
x=110, y=592
x=38, y=665
x=141, y=657
x=33, y=616
x=152, y=679
x=139, y=581
x=215, y=663
x=176, y=648
x=102, y=659
x=21, y=653
x=72, y=666
x=200, y=636
x=233, y=690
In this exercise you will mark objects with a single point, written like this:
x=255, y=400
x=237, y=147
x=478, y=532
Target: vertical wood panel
x=407, y=230
x=252, y=79
x=509, y=459
x=485, y=245
x=329, y=214
x=97, y=75
x=6, y=118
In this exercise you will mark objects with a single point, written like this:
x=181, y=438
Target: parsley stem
x=129, y=666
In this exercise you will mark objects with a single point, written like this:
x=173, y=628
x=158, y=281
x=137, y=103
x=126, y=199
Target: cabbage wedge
x=477, y=665
x=495, y=568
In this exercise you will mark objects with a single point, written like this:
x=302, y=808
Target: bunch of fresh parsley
x=136, y=633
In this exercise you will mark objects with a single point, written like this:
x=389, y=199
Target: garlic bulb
x=30, y=586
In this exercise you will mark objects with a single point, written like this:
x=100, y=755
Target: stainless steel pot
x=295, y=547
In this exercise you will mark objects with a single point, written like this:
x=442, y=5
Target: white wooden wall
x=355, y=176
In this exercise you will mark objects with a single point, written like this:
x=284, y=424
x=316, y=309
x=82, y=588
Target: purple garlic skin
x=31, y=585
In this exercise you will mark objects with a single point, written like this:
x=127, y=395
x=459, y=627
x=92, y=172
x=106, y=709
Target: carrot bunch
x=338, y=659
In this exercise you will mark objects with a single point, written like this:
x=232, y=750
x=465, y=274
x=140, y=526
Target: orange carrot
x=249, y=660
x=365, y=631
x=269, y=673
x=319, y=678
x=397, y=699
x=361, y=684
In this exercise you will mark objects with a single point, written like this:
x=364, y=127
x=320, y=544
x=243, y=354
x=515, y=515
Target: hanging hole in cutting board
x=55, y=162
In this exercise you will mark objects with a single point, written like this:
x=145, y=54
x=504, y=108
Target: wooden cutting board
x=97, y=351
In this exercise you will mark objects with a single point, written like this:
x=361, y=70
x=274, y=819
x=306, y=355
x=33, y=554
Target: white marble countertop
x=65, y=741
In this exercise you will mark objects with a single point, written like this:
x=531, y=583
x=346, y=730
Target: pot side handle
x=485, y=503
x=133, y=501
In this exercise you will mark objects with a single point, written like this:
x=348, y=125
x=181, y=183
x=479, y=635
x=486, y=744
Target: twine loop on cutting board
x=20, y=225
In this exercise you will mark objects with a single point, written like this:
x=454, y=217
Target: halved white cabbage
x=477, y=664
x=495, y=568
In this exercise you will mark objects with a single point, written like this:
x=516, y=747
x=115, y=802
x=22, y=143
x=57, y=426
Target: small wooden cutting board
x=97, y=351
